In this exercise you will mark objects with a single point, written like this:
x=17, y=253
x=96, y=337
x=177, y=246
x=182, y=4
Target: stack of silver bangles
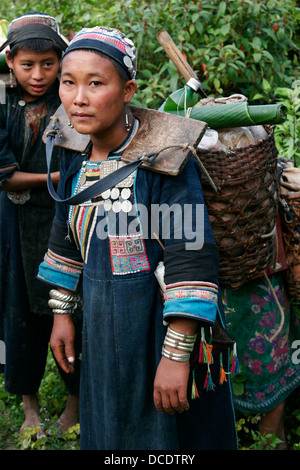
x=179, y=341
x=62, y=304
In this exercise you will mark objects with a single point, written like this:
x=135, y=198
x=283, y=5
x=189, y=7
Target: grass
x=248, y=425
x=53, y=396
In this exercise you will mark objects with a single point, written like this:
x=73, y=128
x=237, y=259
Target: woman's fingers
x=170, y=386
x=170, y=403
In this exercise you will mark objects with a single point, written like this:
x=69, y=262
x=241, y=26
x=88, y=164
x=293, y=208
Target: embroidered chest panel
x=33, y=118
x=109, y=215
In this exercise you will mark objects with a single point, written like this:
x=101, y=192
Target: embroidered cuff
x=60, y=271
x=197, y=300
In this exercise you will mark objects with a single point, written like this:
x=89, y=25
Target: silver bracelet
x=174, y=356
x=57, y=295
x=59, y=304
x=62, y=304
x=181, y=336
x=59, y=311
x=178, y=345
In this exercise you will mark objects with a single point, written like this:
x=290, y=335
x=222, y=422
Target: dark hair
x=37, y=46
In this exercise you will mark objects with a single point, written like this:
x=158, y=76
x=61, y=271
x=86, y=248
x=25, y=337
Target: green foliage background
x=235, y=46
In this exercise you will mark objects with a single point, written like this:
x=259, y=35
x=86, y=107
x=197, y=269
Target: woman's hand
x=62, y=342
x=170, y=386
x=171, y=380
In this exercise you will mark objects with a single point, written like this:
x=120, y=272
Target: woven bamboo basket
x=290, y=222
x=243, y=210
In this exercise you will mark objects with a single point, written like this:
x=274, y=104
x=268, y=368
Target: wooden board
x=157, y=132
x=67, y=137
x=160, y=130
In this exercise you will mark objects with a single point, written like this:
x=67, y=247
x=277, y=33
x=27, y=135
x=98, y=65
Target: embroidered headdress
x=34, y=25
x=110, y=42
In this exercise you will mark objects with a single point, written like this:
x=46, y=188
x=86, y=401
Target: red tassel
x=235, y=363
x=205, y=382
x=232, y=365
x=201, y=352
x=195, y=393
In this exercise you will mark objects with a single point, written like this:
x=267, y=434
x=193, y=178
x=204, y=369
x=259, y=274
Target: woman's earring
x=127, y=124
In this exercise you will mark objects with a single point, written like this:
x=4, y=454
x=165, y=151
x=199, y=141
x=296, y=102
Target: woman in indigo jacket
x=136, y=381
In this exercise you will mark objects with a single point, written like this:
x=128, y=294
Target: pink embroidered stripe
x=197, y=289
x=62, y=264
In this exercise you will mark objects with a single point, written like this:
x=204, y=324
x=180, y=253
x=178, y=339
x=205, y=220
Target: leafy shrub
x=287, y=135
x=235, y=46
x=48, y=436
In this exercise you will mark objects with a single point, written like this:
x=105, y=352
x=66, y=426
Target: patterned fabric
x=82, y=223
x=253, y=318
x=128, y=255
x=199, y=290
x=33, y=116
x=33, y=26
x=182, y=299
x=61, y=271
x=110, y=42
x=34, y=18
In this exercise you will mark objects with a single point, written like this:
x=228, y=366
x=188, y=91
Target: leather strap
x=97, y=188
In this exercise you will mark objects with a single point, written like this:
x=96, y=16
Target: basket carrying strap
x=97, y=188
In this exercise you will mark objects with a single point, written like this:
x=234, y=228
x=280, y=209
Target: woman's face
x=93, y=94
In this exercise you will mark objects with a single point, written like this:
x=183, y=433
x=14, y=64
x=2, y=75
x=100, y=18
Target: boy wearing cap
x=34, y=54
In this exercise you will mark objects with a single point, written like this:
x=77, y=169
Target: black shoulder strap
x=97, y=188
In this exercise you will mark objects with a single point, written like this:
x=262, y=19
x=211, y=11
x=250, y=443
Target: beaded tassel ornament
x=206, y=357
x=235, y=363
x=223, y=377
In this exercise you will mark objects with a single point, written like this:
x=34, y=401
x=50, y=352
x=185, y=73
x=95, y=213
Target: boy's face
x=35, y=72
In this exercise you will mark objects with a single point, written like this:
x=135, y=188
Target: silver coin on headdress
x=128, y=41
x=127, y=61
x=130, y=51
